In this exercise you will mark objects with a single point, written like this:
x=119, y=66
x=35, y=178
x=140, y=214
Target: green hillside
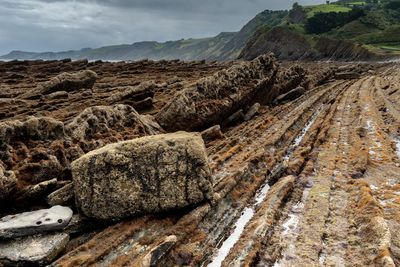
x=366, y=30
x=363, y=29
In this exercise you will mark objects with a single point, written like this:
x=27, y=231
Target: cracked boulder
x=145, y=175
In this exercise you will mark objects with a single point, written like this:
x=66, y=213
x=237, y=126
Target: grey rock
x=80, y=224
x=61, y=196
x=33, y=192
x=64, y=82
x=133, y=93
x=252, y=112
x=212, y=133
x=58, y=95
x=156, y=254
x=33, y=250
x=143, y=104
x=145, y=175
x=29, y=223
x=347, y=75
x=235, y=118
x=291, y=95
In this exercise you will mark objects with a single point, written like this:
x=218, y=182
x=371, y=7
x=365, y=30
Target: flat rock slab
x=29, y=223
x=33, y=250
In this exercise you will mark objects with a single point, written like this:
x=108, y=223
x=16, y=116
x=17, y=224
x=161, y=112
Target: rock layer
x=213, y=99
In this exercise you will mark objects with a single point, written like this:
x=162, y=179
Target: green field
x=325, y=8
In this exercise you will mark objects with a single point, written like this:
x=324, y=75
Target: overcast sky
x=54, y=25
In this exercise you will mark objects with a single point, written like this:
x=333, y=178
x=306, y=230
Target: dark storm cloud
x=53, y=25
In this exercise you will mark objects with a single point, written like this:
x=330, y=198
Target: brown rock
x=211, y=100
x=64, y=82
x=145, y=175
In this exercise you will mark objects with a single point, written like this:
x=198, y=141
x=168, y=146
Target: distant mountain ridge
x=224, y=46
x=342, y=30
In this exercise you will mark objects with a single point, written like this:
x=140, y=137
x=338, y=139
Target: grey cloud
x=54, y=25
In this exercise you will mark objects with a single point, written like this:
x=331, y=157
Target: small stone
x=212, y=133
x=252, y=112
x=235, y=118
x=58, y=95
x=61, y=196
x=8, y=183
x=291, y=95
x=33, y=250
x=29, y=223
x=80, y=224
x=34, y=192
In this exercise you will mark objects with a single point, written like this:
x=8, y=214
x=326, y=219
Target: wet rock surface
x=338, y=140
x=146, y=175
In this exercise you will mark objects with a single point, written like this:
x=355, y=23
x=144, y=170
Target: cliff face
x=290, y=45
x=285, y=44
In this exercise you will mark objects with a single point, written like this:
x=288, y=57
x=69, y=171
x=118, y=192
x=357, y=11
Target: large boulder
x=145, y=175
x=213, y=99
x=67, y=82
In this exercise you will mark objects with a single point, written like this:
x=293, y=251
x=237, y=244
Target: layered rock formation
x=212, y=99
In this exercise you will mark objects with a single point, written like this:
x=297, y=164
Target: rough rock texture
x=215, y=98
x=8, y=183
x=61, y=196
x=286, y=80
x=130, y=94
x=34, y=128
x=253, y=110
x=285, y=44
x=33, y=250
x=144, y=175
x=101, y=119
x=34, y=222
x=291, y=95
x=64, y=82
x=212, y=133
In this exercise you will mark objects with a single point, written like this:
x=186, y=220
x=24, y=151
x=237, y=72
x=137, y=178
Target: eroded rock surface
x=64, y=82
x=102, y=119
x=145, y=175
x=213, y=99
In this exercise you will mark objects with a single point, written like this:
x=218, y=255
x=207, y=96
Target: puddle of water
x=246, y=216
x=300, y=138
x=398, y=147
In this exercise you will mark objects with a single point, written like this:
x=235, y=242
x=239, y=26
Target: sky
x=58, y=25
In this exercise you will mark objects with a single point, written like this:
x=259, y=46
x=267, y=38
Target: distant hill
x=343, y=30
